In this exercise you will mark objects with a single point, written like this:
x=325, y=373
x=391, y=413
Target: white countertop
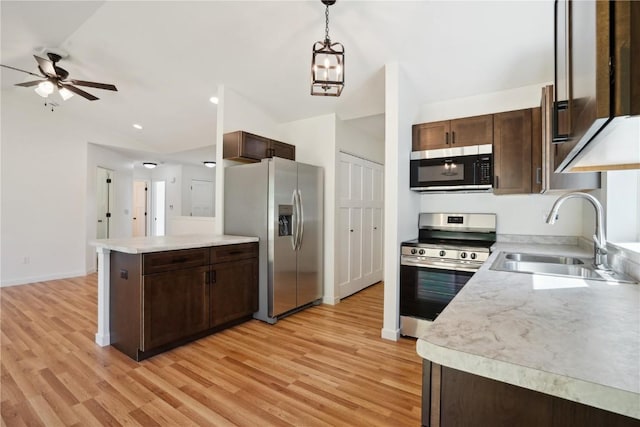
x=139, y=245
x=572, y=338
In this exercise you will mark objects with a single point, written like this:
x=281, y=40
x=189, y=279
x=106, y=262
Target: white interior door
x=201, y=198
x=359, y=224
x=139, y=208
x=158, y=212
x=104, y=200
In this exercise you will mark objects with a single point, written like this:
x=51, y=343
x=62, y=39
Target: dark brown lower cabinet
x=175, y=304
x=164, y=299
x=452, y=398
x=231, y=297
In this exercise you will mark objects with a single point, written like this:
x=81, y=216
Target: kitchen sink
x=518, y=262
x=545, y=259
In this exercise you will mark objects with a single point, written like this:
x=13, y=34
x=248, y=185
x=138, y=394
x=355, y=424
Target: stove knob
x=413, y=251
x=463, y=255
x=442, y=253
x=421, y=252
x=473, y=255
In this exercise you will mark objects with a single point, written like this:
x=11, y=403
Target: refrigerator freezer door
x=282, y=257
x=310, y=253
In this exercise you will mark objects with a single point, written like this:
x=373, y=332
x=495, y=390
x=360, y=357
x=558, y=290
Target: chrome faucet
x=600, y=243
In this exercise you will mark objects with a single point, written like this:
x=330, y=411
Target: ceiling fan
x=53, y=77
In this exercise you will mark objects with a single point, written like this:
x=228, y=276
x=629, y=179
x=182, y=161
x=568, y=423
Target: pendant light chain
x=326, y=28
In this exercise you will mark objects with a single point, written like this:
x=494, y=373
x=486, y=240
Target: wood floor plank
x=323, y=366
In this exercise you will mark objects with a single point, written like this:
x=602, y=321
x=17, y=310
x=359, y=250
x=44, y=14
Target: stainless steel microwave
x=452, y=169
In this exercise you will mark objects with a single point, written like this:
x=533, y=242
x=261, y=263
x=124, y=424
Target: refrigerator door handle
x=294, y=222
x=300, y=220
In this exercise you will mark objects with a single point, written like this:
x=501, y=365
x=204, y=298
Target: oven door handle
x=440, y=266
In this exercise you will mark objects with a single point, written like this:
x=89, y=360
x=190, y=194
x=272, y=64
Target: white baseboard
x=103, y=340
x=390, y=334
x=330, y=301
x=36, y=279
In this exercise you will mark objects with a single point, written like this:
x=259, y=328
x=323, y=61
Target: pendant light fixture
x=327, y=64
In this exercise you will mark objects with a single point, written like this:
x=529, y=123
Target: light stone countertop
x=139, y=245
x=572, y=338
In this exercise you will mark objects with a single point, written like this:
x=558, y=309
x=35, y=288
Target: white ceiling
x=168, y=57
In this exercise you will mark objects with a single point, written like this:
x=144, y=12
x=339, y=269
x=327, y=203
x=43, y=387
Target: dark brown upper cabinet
x=597, y=71
x=463, y=132
x=247, y=147
x=512, y=132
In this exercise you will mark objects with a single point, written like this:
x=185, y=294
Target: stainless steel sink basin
x=555, y=266
x=546, y=259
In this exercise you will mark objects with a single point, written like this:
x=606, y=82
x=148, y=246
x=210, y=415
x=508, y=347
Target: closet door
x=359, y=239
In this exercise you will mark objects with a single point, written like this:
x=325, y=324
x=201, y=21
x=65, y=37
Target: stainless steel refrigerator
x=281, y=202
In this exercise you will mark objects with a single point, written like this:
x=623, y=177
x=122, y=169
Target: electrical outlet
x=26, y=260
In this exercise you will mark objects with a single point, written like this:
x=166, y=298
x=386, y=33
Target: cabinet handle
x=446, y=137
x=207, y=278
x=453, y=137
x=180, y=260
x=351, y=230
x=538, y=175
x=213, y=277
x=375, y=228
x=235, y=252
x=496, y=182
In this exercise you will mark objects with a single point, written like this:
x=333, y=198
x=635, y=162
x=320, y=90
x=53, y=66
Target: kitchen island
x=566, y=344
x=168, y=267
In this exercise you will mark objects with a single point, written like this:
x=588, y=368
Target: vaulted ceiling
x=168, y=57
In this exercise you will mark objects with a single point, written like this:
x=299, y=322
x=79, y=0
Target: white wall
x=172, y=176
x=400, y=205
x=315, y=141
x=516, y=214
x=44, y=184
x=622, y=204
x=363, y=137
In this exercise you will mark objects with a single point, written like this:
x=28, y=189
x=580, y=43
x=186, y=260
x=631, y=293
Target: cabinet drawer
x=233, y=252
x=174, y=260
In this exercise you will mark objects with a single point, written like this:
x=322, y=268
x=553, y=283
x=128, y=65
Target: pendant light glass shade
x=327, y=63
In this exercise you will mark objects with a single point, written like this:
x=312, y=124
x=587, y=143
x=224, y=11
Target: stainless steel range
x=449, y=249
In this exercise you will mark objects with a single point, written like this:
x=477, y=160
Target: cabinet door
x=234, y=290
x=175, y=305
x=429, y=136
x=254, y=146
x=280, y=149
x=512, y=152
x=476, y=130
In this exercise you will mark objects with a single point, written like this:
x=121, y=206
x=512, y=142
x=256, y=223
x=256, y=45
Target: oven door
x=446, y=173
x=426, y=290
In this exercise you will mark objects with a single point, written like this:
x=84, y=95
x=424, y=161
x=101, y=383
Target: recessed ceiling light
x=214, y=100
x=137, y=126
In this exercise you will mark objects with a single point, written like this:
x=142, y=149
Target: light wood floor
x=324, y=366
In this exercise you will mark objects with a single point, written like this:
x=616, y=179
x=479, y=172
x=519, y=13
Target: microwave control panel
x=485, y=175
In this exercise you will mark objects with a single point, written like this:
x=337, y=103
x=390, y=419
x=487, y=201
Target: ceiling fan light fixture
x=327, y=63
x=65, y=93
x=209, y=164
x=149, y=165
x=44, y=89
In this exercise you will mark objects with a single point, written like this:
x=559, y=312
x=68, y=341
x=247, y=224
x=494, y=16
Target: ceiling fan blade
x=29, y=84
x=18, y=69
x=80, y=92
x=46, y=66
x=105, y=86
